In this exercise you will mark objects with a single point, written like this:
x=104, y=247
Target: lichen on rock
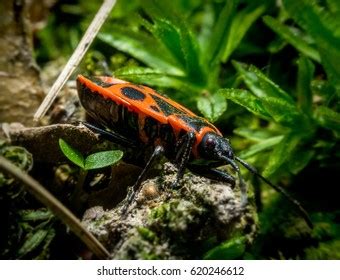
x=167, y=223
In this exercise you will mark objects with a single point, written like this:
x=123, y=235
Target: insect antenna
x=279, y=189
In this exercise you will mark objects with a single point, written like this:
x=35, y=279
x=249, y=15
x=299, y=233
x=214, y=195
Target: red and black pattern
x=139, y=116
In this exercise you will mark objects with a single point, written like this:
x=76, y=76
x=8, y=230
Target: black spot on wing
x=154, y=108
x=166, y=107
x=133, y=93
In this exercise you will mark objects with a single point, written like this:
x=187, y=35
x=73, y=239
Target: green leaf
x=71, y=153
x=172, y=31
x=261, y=146
x=304, y=91
x=32, y=242
x=240, y=24
x=36, y=215
x=153, y=77
x=283, y=112
x=256, y=135
x=102, y=159
x=327, y=118
x=142, y=47
x=299, y=160
x=247, y=100
x=334, y=6
x=229, y=250
x=293, y=37
x=324, y=27
x=260, y=84
x=213, y=106
x=282, y=153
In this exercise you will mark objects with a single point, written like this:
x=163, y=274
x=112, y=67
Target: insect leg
x=212, y=173
x=242, y=185
x=183, y=154
x=110, y=135
x=159, y=150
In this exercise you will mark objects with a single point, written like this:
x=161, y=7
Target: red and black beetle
x=139, y=116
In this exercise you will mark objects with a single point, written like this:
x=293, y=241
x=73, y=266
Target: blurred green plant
x=301, y=115
x=26, y=232
x=178, y=54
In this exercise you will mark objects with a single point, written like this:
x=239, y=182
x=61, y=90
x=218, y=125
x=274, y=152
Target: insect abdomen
x=126, y=122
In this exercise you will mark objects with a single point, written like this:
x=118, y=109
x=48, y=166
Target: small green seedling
x=93, y=161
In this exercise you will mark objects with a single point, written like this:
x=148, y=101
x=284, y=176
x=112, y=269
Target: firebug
x=137, y=115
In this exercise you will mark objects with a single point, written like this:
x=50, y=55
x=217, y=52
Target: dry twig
x=76, y=57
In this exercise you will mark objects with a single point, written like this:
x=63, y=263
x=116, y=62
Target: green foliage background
x=265, y=72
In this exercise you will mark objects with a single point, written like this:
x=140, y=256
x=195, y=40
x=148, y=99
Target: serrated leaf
x=32, y=242
x=293, y=37
x=102, y=159
x=327, y=118
x=240, y=24
x=260, y=84
x=283, y=112
x=172, y=31
x=261, y=146
x=282, y=152
x=71, y=153
x=304, y=91
x=142, y=47
x=247, y=100
x=212, y=107
x=229, y=250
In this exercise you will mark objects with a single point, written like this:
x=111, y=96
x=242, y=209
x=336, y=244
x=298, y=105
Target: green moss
x=325, y=251
x=147, y=234
x=228, y=250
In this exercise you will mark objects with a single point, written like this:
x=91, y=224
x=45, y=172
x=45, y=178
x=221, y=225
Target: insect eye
x=210, y=143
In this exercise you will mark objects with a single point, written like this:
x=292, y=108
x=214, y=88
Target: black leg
x=184, y=148
x=242, y=184
x=159, y=150
x=111, y=135
x=212, y=173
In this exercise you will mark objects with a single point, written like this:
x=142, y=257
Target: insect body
x=138, y=115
